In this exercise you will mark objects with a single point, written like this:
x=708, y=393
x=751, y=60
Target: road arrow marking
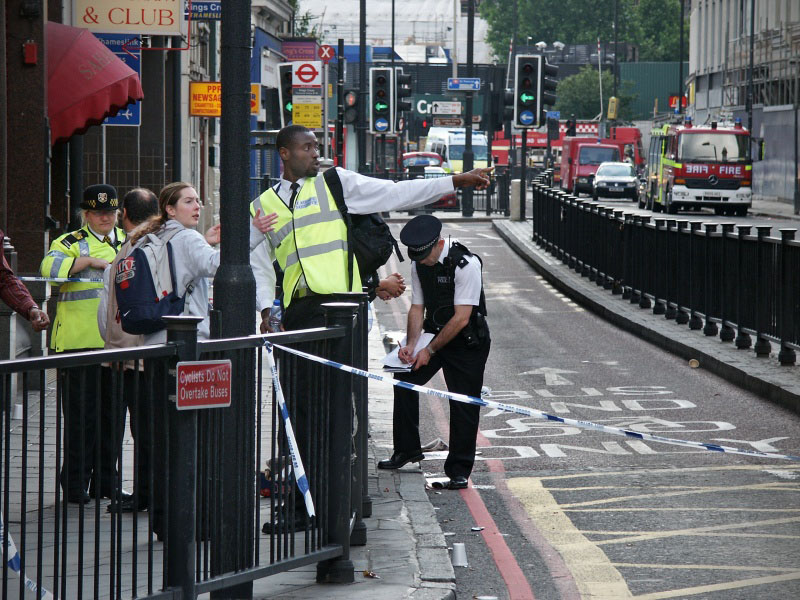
x=551, y=375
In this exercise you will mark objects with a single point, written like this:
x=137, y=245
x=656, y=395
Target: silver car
x=616, y=180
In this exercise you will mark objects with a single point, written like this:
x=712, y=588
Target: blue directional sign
x=381, y=124
x=526, y=117
x=553, y=114
x=464, y=84
x=127, y=48
x=203, y=11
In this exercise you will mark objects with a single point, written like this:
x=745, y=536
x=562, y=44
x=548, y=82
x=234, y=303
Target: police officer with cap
x=84, y=254
x=448, y=302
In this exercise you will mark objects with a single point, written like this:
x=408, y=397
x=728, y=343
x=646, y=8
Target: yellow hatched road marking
x=718, y=587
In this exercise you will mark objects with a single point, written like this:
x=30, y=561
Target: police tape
x=531, y=412
x=297, y=463
x=15, y=564
x=61, y=279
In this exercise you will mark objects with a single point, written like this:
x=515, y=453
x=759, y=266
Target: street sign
x=448, y=122
x=203, y=384
x=307, y=74
x=464, y=84
x=128, y=48
x=202, y=10
x=205, y=99
x=381, y=124
x=446, y=108
x=255, y=98
x=307, y=111
x=553, y=114
x=526, y=117
x=326, y=53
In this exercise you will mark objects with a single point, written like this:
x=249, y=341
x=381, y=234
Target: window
x=717, y=147
x=592, y=155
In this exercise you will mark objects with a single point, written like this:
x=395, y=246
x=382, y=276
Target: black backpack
x=369, y=238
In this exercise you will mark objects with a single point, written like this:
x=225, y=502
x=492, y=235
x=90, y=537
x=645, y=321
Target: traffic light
x=571, y=126
x=546, y=92
x=402, y=93
x=526, y=106
x=381, y=112
x=350, y=106
x=285, y=92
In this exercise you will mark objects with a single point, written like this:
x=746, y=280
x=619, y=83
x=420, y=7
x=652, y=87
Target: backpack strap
x=335, y=186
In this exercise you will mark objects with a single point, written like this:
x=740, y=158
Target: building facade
x=719, y=80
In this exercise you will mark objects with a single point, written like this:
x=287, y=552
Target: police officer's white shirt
x=112, y=235
x=362, y=195
x=467, y=281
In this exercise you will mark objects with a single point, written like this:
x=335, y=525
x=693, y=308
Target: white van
x=449, y=142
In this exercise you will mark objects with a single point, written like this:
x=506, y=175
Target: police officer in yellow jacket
x=84, y=254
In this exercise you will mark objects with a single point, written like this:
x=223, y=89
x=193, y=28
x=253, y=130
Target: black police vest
x=438, y=288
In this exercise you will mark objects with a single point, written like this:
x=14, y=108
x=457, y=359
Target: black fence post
x=695, y=322
x=644, y=301
x=726, y=333
x=787, y=356
x=762, y=347
x=634, y=281
x=683, y=314
x=360, y=495
x=670, y=270
x=182, y=504
x=743, y=340
x=619, y=261
x=710, y=327
x=340, y=448
x=660, y=304
x=627, y=256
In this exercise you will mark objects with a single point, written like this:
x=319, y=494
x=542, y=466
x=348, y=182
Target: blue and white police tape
x=62, y=279
x=531, y=412
x=297, y=462
x=14, y=563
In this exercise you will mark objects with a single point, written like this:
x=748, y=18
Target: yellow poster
x=255, y=98
x=205, y=99
x=307, y=114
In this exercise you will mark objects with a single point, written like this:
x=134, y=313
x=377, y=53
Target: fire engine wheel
x=741, y=211
x=670, y=207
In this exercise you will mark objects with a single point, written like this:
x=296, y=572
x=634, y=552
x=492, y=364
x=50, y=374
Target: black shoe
x=79, y=497
x=400, y=459
x=457, y=483
x=301, y=523
x=128, y=505
x=123, y=495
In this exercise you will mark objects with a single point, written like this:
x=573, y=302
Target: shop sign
x=128, y=16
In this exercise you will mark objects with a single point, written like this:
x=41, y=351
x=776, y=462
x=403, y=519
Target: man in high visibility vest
x=84, y=254
x=309, y=238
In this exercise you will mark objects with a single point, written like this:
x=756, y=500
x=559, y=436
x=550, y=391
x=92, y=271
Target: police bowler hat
x=100, y=196
x=420, y=234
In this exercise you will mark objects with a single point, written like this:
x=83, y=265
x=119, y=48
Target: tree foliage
x=652, y=25
x=579, y=95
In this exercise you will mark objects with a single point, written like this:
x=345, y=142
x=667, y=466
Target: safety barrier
x=204, y=464
x=725, y=279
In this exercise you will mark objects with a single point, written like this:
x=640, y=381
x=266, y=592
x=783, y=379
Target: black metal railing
x=78, y=547
x=723, y=279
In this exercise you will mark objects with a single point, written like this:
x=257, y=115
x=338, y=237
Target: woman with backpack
x=194, y=258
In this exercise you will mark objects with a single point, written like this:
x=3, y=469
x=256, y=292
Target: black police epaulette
x=72, y=238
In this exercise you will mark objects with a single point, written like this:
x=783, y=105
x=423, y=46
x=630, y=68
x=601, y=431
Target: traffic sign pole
x=523, y=189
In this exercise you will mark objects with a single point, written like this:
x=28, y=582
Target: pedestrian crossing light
x=285, y=92
x=525, y=99
x=381, y=113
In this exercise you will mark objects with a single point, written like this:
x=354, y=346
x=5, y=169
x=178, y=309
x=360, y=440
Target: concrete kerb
x=434, y=574
x=771, y=381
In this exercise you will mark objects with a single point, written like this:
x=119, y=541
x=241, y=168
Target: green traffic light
x=381, y=107
x=526, y=98
x=288, y=107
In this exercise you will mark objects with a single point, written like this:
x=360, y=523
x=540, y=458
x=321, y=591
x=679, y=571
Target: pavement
x=763, y=207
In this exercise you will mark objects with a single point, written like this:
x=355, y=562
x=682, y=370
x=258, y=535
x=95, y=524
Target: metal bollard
x=743, y=340
x=710, y=328
x=787, y=356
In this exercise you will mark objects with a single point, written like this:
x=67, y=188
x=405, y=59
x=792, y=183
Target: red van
x=580, y=157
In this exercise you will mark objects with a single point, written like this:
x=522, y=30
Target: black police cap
x=100, y=196
x=420, y=234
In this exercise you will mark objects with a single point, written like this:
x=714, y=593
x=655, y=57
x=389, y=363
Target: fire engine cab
x=691, y=167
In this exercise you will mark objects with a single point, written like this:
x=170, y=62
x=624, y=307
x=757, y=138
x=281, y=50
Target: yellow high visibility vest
x=310, y=241
x=75, y=326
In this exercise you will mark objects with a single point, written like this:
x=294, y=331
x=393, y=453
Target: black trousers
x=463, y=373
x=140, y=407
x=86, y=400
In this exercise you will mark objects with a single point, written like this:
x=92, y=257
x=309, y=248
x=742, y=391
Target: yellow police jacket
x=75, y=326
x=309, y=241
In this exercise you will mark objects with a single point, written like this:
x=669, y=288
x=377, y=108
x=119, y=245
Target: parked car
x=615, y=180
x=428, y=165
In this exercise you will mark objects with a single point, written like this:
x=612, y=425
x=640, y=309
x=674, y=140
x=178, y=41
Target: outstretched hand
x=213, y=235
x=477, y=178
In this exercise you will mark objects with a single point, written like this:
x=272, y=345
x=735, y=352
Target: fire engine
x=691, y=167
